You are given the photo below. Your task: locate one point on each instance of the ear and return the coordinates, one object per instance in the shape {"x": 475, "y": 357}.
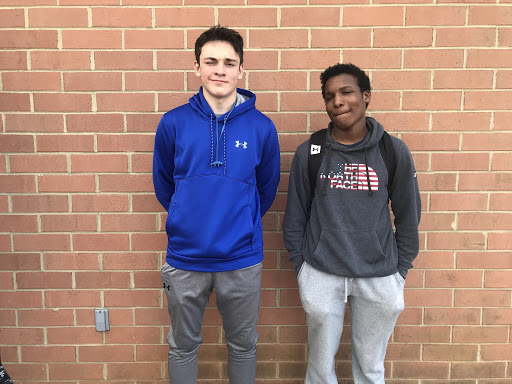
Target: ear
{"x": 367, "y": 96}
{"x": 197, "y": 69}
{"x": 240, "y": 72}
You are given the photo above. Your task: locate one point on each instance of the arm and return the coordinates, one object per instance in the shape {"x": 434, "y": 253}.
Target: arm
{"x": 406, "y": 206}
{"x": 268, "y": 171}
{"x": 297, "y": 210}
{"x": 163, "y": 164}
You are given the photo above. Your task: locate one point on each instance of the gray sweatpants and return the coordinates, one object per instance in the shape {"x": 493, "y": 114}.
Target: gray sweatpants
{"x": 238, "y": 296}
{"x": 375, "y": 304}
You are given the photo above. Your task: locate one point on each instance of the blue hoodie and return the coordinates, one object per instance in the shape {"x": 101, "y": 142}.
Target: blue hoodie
{"x": 216, "y": 177}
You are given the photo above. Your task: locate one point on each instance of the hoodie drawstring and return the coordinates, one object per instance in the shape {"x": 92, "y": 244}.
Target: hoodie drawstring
{"x": 217, "y": 162}
{"x": 346, "y": 290}
{"x": 370, "y": 192}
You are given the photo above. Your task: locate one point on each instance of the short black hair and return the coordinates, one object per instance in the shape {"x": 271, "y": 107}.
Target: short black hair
{"x": 218, "y": 33}
{"x": 363, "y": 81}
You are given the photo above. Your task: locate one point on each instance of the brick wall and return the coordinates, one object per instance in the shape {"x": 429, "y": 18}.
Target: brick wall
{"x": 83, "y": 85}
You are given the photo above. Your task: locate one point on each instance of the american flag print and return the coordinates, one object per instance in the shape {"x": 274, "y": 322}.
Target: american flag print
{"x": 353, "y": 177}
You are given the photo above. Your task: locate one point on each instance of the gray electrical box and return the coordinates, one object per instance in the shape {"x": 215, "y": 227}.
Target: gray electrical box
{"x": 101, "y": 320}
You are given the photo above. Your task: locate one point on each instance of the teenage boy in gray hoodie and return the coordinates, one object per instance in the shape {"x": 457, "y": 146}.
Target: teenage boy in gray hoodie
{"x": 340, "y": 237}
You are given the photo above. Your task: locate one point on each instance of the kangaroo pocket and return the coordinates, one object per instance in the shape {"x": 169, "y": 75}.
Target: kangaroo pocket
{"x": 210, "y": 217}
{"x": 358, "y": 253}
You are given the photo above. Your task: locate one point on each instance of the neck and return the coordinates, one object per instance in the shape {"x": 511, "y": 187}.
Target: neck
{"x": 220, "y": 106}
{"x": 350, "y": 136}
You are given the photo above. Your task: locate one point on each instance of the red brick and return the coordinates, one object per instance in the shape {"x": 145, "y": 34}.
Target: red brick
{"x": 18, "y": 336}
{"x": 16, "y": 183}
{"x": 283, "y": 80}
{"x": 488, "y": 58}
{"x": 489, "y": 14}
{"x": 462, "y": 79}
{"x": 17, "y": 143}
{"x": 130, "y": 261}
{"x": 5, "y": 243}
{"x": 498, "y": 279}
{"x": 149, "y": 241}
{"x": 153, "y": 39}
{"x": 403, "y": 37}
{"x": 282, "y": 316}
{"x": 178, "y": 59}
{"x": 40, "y": 280}
{"x": 116, "y": 317}
{"x": 433, "y": 58}
{"x": 428, "y": 297}
{"x": 6, "y": 281}
{"x": 145, "y": 203}
{"x": 261, "y": 59}
{"x": 71, "y": 299}
{"x": 484, "y": 334}
{"x": 324, "y": 38}
{"x": 21, "y": 300}
{"x": 152, "y": 316}
{"x": 100, "y": 203}
{"x": 33, "y": 81}
{"x": 12, "y": 18}
{"x": 99, "y": 163}
{"x": 126, "y": 183}
{"x": 436, "y": 15}
{"x": 95, "y": 81}
{"x": 489, "y": 221}
{"x": 34, "y": 123}
{"x": 103, "y": 353}
{"x": 128, "y": 223}
{"x": 392, "y": 80}
{"x": 66, "y": 183}
{"x": 482, "y": 298}
{"x": 478, "y": 370}
{"x": 142, "y": 162}
{"x": 496, "y": 352}
{"x": 460, "y": 162}
{"x": 439, "y": 352}
{"x": 434, "y": 260}
{"x": 475, "y": 100}
{"x": 310, "y": 16}
{"x": 432, "y": 141}
{"x": 154, "y": 352}
{"x": 499, "y": 241}
{"x": 500, "y": 201}
{"x": 471, "y": 121}
{"x": 121, "y": 17}
{"x": 168, "y": 101}
{"x": 138, "y": 370}
{"x": 452, "y": 316}
{"x": 95, "y": 39}
{"x": 424, "y": 100}
{"x": 28, "y": 372}
{"x": 423, "y": 370}
{"x": 14, "y": 102}
{"x": 459, "y": 241}
{"x": 40, "y": 203}
{"x": 61, "y": 60}
{"x": 437, "y": 221}
{"x": 41, "y": 242}
{"x": 496, "y": 141}
{"x": 374, "y": 58}
{"x": 95, "y": 123}
{"x": 484, "y": 260}
{"x": 62, "y": 102}
{"x": 467, "y": 37}
{"x": 57, "y": 17}
{"x": 134, "y": 335}
{"x": 278, "y": 38}
{"x": 497, "y": 316}
{"x": 68, "y": 223}
{"x": 45, "y": 317}
{"x": 125, "y": 102}
{"x": 142, "y": 81}
{"x": 48, "y": 354}
{"x": 301, "y": 101}
{"x": 123, "y": 60}
{"x": 484, "y": 181}
{"x": 126, "y": 142}
{"x": 453, "y": 279}
{"x": 187, "y": 17}
{"x": 269, "y": 2}
{"x": 76, "y": 371}
{"x": 38, "y": 163}
{"x": 90, "y": 2}
{"x": 13, "y": 60}
{"x": 102, "y": 280}
{"x": 453, "y": 202}
{"x": 424, "y": 334}
{"x": 32, "y": 39}
{"x": 101, "y": 242}
{"x": 372, "y": 16}
{"x": 71, "y": 261}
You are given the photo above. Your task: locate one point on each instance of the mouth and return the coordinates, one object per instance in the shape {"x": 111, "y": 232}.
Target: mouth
{"x": 218, "y": 81}
{"x": 341, "y": 113}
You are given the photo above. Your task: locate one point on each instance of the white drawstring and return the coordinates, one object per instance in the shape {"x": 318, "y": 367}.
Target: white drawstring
{"x": 346, "y": 290}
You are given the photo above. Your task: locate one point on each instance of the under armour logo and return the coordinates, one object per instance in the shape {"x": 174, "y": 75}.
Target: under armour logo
{"x": 315, "y": 149}
{"x": 238, "y": 144}
{"x": 168, "y": 287}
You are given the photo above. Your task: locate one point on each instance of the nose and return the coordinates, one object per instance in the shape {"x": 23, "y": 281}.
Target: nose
{"x": 220, "y": 69}
{"x": 338, "y": 100}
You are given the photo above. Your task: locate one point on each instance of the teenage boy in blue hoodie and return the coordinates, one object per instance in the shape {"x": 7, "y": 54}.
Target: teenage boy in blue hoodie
{"x": 340, "y": 237}
{"x": 215, "y": 171}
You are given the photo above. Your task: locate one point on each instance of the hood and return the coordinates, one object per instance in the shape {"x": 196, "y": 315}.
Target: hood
{"x": 201, "y": 107}
{"x": 375, "y": 131}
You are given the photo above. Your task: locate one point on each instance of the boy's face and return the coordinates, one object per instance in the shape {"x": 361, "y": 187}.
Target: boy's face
{"x": 219, "y": 68}
{"x": 344, "y": 102}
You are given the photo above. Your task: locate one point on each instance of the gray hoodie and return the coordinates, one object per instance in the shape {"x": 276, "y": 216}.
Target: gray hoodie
{"x": 346, "y": 230}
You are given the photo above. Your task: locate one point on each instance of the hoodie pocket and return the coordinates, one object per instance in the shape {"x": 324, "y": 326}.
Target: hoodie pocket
{"x": 356, "y": 251}
{"x": 210, "y": 218}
